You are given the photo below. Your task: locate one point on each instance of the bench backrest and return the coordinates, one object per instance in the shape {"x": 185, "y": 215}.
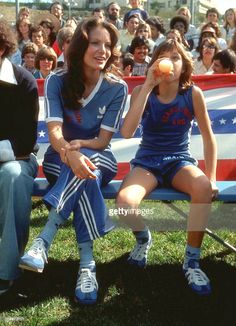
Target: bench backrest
{"x": 220, "y": 94}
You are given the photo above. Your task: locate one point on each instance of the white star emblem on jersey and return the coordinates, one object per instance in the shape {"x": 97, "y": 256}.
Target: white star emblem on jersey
{"x": 41, "y": 133}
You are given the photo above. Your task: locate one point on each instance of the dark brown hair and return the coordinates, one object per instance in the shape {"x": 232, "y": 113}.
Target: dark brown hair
{"x": 7, "y": 39}
{"x": 75, "y": 78}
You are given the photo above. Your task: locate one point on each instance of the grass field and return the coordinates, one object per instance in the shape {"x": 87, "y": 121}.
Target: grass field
{"x": 157, "y": 295}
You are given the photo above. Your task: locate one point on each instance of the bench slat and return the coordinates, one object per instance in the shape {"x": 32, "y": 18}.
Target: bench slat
{"x": 227, "y": 191}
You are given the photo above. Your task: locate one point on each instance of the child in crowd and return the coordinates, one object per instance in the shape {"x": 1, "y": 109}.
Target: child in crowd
{"x": 28, "y": 57}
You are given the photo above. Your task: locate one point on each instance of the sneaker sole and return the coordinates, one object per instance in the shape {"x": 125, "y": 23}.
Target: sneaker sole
{"x": 31, "y": 268}
{"x": 85, "y": 302}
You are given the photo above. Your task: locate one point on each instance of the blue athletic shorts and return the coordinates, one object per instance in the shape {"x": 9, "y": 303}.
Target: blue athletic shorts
{"x": 163, "y": 167}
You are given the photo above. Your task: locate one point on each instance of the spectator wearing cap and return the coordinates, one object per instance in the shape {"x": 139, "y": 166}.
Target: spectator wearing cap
{"x": 224, "y": 62}
{"x": 203, "y": 64}
{"x": 113, "y": 14}
{"x": 127, "y": 35}
{"x": 181, "y": 23}
{"x": 140, "y": 48}
{"x": 157, "y": 29}
{"x": 136, "y": 9}
{"x": 208, "y": 31}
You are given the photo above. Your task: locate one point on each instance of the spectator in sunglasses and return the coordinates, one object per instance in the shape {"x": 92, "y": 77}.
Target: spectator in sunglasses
{"x": 203, "y": 64}
{"x": 45, "y": 62}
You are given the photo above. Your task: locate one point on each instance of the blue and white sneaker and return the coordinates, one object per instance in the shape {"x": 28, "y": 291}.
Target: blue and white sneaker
{"x": 197, "y": 279}
{"x": 86, "y": 287}
{"x": 139, "y": 254}
{"x": 35, "y": 258}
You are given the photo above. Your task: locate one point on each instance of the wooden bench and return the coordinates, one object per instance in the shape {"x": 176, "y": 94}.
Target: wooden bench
{"x": 227, "y": 193}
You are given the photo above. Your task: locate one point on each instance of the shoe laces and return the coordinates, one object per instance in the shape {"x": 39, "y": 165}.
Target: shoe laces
{"x": 87, "y": 280}
{"x": 197, "y": 276}
{"x": 38, "y": 248}
{"x": 140, "y": 251}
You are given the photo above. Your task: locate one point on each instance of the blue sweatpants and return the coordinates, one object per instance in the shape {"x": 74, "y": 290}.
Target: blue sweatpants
{"x": 83, "y": 197}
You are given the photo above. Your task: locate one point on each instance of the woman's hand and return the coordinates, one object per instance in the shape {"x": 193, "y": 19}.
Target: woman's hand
{"x": 80, "y": 165}
{"x": 215, "y": 190}
{"x": 74, "y": 145}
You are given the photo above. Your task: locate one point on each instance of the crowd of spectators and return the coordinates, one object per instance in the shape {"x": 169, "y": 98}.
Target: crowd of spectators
{"x": 139, "y": 35}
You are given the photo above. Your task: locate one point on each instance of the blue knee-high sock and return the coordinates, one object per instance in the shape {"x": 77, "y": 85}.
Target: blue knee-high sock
{"x": 142, "y": 236}
{"x": 86, "y": 255}
{"x": 192, "y": 257}
{"x": 49, "y": 231}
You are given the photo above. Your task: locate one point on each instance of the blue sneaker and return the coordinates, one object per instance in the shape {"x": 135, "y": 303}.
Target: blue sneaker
{"x": 86, "y": 287}
{"x": 35, "y": 258}
{"x": 138, "y": 255}
{"x": 197, "y": 279}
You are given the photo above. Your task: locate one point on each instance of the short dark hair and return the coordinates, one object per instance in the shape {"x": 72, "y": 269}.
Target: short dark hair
{"x": 8, "y": 41}
{"x": 29, "y": 47}
{"x": 98, "y": 10}
{"x": 128, "y": 61}
{"x": 213, "y": 10}
{"x": 227, "y": 59}
{"x": 55, "y": 3}
{"x": 138, "y": 41}
{"x": 156, "y": 22}
{"x": 112, "y": 3}
{"x": 181, "y": 19}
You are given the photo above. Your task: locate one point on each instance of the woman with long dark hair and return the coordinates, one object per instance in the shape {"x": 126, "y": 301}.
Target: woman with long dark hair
{"x": 83, "y": 109}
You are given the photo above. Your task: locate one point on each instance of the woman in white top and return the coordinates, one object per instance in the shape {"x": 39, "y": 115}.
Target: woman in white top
{"x": 230, "y": 23}
{"x": 203, "y": 64}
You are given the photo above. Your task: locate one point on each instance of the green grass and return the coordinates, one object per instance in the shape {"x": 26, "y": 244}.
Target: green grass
{"x": 157, "y": 295}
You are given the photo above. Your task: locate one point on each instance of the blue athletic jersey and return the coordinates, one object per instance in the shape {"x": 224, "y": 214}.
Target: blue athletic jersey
{"x": 166, "y": 128}
{"x": 103, "y": 108}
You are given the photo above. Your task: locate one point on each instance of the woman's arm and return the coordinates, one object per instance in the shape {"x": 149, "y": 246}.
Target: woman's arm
{"x": 100, "y": 143}
{"x": 139, "y": 99}
{"x": 209, "y": 141}
{"x": 56, "y": 138}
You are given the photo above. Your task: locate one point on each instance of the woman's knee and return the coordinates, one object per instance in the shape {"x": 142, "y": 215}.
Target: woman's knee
{"x": 127, "y": 199}
{"x": 10, "y": 171}
{"x": 201, "y": 189}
